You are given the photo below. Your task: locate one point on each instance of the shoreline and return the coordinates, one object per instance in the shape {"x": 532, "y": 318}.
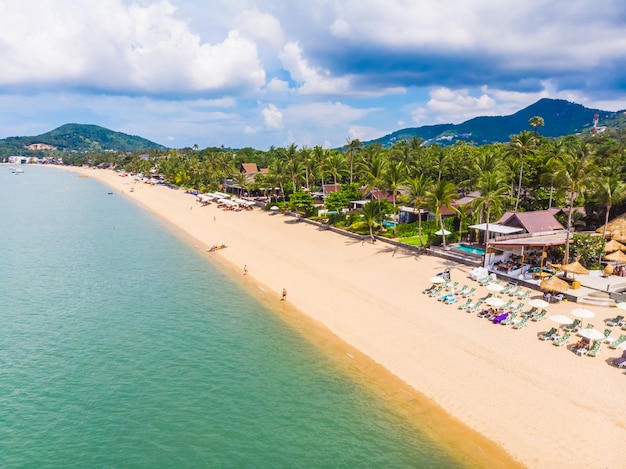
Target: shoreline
{"x": 542, "y": 405}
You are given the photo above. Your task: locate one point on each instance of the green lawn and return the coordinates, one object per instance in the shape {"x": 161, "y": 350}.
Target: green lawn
{"x": 415, "y": 240}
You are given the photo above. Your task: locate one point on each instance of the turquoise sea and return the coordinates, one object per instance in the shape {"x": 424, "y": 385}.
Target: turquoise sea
{"x": 121, "y": 346}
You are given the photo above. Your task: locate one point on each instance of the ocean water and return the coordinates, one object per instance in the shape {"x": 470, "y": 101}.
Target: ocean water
{"x": 121, "y": 346}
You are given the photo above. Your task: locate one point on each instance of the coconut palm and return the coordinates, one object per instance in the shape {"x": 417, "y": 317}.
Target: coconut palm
{"x": 416, "y": 188}
{"x": 441, "y": 194}
{"x": 521, "y": 146}
{"x": 352, "y": 151}
{"x": 371, "y": 215}
{"x": 337, "y": 165}
{"x": 394, "y": 177}
{"x": 536, "y": 121}
{"x": 612, "y": 191}
{"x": 493, "y": 196}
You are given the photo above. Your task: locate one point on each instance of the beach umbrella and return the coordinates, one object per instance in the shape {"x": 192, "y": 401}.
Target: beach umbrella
{"x": 617, "y": 256}
{"x": 561, "y": 319}
{"x": 575, "y": 268}
{"x": 495, "y": 287}
{"x": 613, "y": 246}
{"x": 616, "y": 228}
{"x": 273, "y": 208}
{"x": 554, "y": 284}
{"x": 445, "y": 233}
{"x": 437, "y": 280}
{"x": 538, "y": 303}
{"x": 591, "y": 334}
{"x": 494, "y": 301}
{"x": 583, "y": 313}
{"x": 621, "y": 306}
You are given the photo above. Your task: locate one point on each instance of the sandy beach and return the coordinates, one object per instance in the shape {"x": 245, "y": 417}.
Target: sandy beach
{"x": 544, "y": 406}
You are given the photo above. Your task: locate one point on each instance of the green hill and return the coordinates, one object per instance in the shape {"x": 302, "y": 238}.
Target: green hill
{"x": 560, "y": 118}
{"x": 80, "y": 138}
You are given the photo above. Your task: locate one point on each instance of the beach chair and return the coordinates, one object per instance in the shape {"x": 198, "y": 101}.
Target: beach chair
{"x": 515, "y": 291}
{"x": 452, "y": 287}
{"x": 517, "y": 308}
{"x": 523, "y": 296}
{"x": 499, "y": 318}
{"x": 573, "y": 327}
{"x": 469, "y": 293}
{"x": 561, "y": 341}
{"x": 549, "y": 335}
{"x": 607, "y": 336}
{"x": 451, "y": 299}
{"x": 530, "y": 312}
{"x": 444, "y": 296}
{"x": 507, "y": 305}
{"x": 509, "y": 319}
{"x": 466, "y": 304}
{"x": 621, "y": 361}
{"x": 616, "y": 321}
{"x": 539, "y": 316}
{"x": 435, "y": 292}
{"x": 521, "y": 324}
{"x": 588, "y": 326}
{"x": 485, "y": 298}
{"x": 474, "y": 307}
{"x": 617, "y": 342}
{"x": 463, "y": 289}
{"x": 595, "y": 348}
{"x": 485, "y": 281}
{"x": 508, "y": 288}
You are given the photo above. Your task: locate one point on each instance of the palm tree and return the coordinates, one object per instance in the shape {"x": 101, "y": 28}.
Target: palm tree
{"x": 353, "y": 149}
{"x": 371, "y": 214}
{"x": 493, "y": 195}
{"x": 536, "y": 121}
{"x": 394, "y": 177}
{"x": 373, "y": 172}
{"x": 441, "y": 194}
{"x": 553, "y": 161}
{"x": 521, "y": 146}
{"x": 577, "y": 172}
{"x": 337, "y": 165}
{"x": 416, "y": 188}
{"x": 612, "y": 191}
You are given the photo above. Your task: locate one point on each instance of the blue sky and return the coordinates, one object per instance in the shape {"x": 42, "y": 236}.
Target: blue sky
{"x": 259, "y": 73}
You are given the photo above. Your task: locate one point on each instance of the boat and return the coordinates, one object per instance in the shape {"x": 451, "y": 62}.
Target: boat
{"x": 17, "y": 171}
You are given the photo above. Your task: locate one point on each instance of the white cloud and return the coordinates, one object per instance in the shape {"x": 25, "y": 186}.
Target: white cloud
{"x": 278, "y": 86}
{"x": 260, "y": 26}
{"x": 340, "y": 28}
{"x": 312, "y": 80}
{"x": 272, "y": 117}
{"x": 454, "y": 106}
{"x": 109, "y": 45}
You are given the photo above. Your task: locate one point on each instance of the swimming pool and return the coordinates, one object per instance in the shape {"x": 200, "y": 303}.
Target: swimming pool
{"x": 469, "y": 249}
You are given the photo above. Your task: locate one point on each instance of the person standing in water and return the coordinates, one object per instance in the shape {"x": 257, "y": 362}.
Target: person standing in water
{"x": 284, "y": 297}
{"x": 245, "y": 270}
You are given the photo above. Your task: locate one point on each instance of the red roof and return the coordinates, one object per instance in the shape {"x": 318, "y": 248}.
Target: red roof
{"x": 540, "y": 221}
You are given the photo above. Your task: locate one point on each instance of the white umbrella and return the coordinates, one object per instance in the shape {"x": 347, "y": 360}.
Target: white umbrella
{"x": 561, "y": 319}
{"x": 621, "y": 305}
{"x": 583, "y": 313}
{"x": 436, "y": 280}
{"x": 538, "y": 303}
{"x": 273, "y": 208}
{"x": 445, "y": 232}
{"x": 495, "y": 287}
{"x": 494, "y": 301}
{"x": 591, "y": 334}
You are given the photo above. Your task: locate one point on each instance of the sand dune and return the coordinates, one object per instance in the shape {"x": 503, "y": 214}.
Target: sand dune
{"x": 544, "y": 405}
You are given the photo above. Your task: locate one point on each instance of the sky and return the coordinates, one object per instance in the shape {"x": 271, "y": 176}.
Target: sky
{"x": 261, "y": 73}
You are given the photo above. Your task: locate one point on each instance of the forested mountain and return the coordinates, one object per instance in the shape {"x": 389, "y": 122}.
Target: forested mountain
{"x": 77, "y": 137}
{"x": 560, "y": 118}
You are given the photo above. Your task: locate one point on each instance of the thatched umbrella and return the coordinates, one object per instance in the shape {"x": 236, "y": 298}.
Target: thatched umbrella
{"x": 615, "y": 229}
{"x": 575, "y": 268}
{"x": 613, "y": 246}
{"x": 617, "y": 256}
{"x": 554, "y": 284}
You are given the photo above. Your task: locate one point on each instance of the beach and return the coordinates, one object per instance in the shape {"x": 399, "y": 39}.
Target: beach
{"x": 543, "y": 406}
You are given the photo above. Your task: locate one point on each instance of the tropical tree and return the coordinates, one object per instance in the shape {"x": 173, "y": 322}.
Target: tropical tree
{"x": 416, "y": 188}
{"x": 352, "y": 151}
{"x": 394, "y": 177}
{"x": 441, "y": 194}
{"x": 536, "y": 121}
{"x": 493, "y": 196}
{"x": 612, "y": 191}
{"x": 521, "y": 146}
{"x": 337, "y": 166}
{"x": 370, "y": 214}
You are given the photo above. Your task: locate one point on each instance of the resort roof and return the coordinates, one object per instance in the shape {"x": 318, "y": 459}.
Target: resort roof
{"x": 540, "y": 221}
{"x": 249, "y": 168}
{"x": 554, "y": 239}
{"x": 495, "y": 228}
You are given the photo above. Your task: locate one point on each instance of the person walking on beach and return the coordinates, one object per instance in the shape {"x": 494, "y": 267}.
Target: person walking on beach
{"x": 245, "y": 270}
{"x": 284, "y": 297}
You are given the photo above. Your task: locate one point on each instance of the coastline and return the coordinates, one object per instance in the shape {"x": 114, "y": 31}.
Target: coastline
{"x": 544, "y": 406}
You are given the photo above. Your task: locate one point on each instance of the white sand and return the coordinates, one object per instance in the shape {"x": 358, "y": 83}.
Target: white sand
{"x": 544, "y": 405}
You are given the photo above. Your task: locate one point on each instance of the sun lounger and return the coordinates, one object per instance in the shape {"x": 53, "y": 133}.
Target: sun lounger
{"x": 530, "y": 312}
{"x": 485, "y": 281}
{"x": 473, "y": 308}
{"x": 595, "y": 348}
{"x": 508, "y": 288}
{"x": 517, "y": 308}
{"x": 509, "y": 319}
{"x": 524, "y": 295}
{"x": 451, "y": 299}
{"x": 508, "y": 305}
{"x": 485, "y": 298}
{"x": 539, "y": 316}
{"x": 562, "y": 340}
{"x": 588, "y": 326}
{"x": 515, "y": 291}
{"x": 616, "y": 321}
{"x": 452, "y": 287}
{"x": 617, "y": 342}
{"x": 607, "y": 336}
{"x": 549, "y": 335}
{"x": 469, "y": 293}
{"x": 573, "y": 327}
{"x": 435, "y": 292}
{"x": 521, "y": 324}
{"x": 463, "y": 289}
{"x": 499, "y": 318}
{"x": 444, "y": 296}
{"x": 466, "y": 304}
{"x": 621, "y": 361}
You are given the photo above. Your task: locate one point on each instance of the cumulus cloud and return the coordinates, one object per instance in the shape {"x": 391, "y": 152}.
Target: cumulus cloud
{"x": 260, "y": 26}
{"x": 272, "y": 117}
{"x": 109, "y": 45}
